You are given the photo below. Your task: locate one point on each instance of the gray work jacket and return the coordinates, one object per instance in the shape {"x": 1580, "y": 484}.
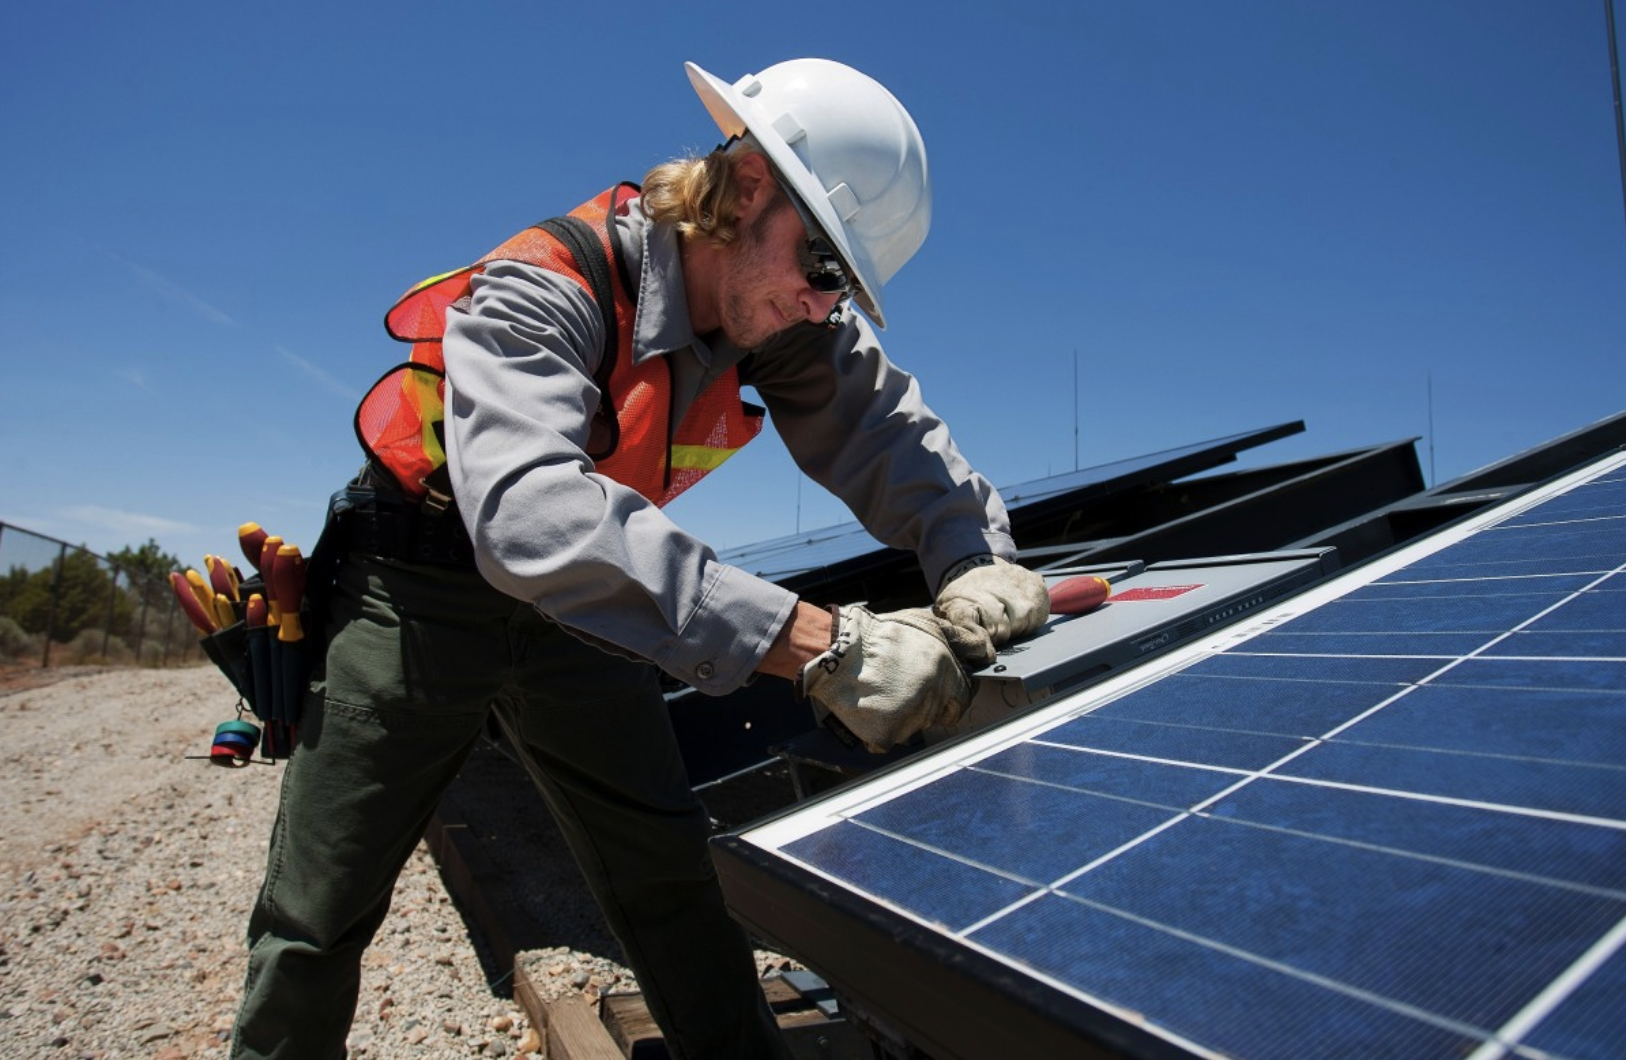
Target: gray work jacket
{"x": 593, "y": 554}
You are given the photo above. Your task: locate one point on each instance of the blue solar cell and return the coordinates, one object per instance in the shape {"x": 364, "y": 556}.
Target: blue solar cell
{"x": 1535, "y": 566}
{"x": 1602, "y": 675}
{"x": 1596, "y": 499}
{"x": 1396, "y": 589}
{"x": 1556, "y": 850}
{"x": 1603, "y": 643}
{"x": 1469, "y": 945}
{"x": 1587, "y": 1024}
{"x": 1436, "y": 645}
{"x": 1383, "y": 671}
{"x": 1207, "y": 747}
{"x": 1552, "y": 787}
{"x": 987, "y": 819}
{"x": 932, "y": 886}
{"x": 1172, "y": 787}
{"x": 1465, "y": 612}
{"x": 1561, "y": 726}
{"x": 1235, "y": 1006}
{"x": 1600, "y": 608}
{"x": 1535, "y": 550}
{"x": 1293, "y": 708}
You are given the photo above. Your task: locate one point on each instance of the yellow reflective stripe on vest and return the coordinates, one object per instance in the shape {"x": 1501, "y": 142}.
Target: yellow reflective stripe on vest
{"x": 422, "y": 391}
{"x": 699, "y": 457}
{"x": 432, "y": 281}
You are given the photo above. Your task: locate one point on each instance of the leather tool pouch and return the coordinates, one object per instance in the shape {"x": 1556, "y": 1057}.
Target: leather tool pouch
{"x": 269, "y": 674}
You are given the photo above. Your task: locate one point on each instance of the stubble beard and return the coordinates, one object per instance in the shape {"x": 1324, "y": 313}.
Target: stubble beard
{"x": 738, "y": 306}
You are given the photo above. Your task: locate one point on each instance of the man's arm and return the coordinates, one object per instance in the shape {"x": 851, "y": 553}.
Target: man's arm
{"x": 858, "y": 426}
{"x": 586, "y": 551}
{"x": 801, "y": 640}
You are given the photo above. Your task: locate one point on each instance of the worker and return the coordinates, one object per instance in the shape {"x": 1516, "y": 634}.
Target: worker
{"x": 504, "y": 555}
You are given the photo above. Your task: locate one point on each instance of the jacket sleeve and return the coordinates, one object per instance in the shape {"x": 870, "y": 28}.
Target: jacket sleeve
{"x": 589, "y": 553}
{"x": 857, "y": 425}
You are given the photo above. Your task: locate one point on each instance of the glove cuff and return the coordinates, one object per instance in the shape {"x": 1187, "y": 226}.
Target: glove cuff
{"x": 800, "y": 688}
{"x": 981, "y": 559}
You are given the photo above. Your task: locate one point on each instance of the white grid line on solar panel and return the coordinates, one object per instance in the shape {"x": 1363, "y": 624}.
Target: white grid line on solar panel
{"x": 1142, "y": 1019}
{"x": 1249, "y": 775}
{"x": 1196, "y": 654}
{"x": 1487, "y": 1035}
{"x": 1559, "y": 991}
{"x": 1500, "y": 1040}
{"x": 1198, "y": 811}
{"x": 1547, "y": 1001}
{"x": 965, "y": 936}
{"x": 774, "y": 834}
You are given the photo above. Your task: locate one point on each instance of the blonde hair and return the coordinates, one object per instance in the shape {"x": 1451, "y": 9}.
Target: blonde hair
{"x": 697, "y": 194}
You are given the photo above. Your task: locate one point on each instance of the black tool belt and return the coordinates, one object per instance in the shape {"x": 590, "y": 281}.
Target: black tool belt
{"x": 374, "y": 518}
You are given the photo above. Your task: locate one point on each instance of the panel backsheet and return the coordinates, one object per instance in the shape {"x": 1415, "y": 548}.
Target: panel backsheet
{"x": 1387, "y": 818}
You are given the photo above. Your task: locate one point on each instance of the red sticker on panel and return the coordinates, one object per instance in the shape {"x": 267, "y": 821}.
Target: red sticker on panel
{"x": 1153, "y": 592}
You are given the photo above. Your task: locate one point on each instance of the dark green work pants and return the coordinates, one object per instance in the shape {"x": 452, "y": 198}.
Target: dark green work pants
{"x": 417, "y": 657}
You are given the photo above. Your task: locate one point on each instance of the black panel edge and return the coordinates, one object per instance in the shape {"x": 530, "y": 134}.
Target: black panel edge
{"x": 1545, "y": 461}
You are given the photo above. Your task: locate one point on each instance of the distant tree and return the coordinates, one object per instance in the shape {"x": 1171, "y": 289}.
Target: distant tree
{"x": 83, "y": 592}
{"x": 149, "y": 561}
{"x": 144, "y": 578}
{"x": 10, "y": 584}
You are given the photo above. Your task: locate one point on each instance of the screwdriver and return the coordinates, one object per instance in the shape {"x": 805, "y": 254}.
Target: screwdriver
{"x": 288, "y": 586}
{"x": 190, "y": 604}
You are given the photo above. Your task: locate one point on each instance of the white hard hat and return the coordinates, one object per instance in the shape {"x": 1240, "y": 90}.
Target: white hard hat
{"x": 849, "y": 151}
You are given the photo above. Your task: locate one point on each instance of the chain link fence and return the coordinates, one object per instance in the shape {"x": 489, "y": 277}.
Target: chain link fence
{"x": 62, "y": 605}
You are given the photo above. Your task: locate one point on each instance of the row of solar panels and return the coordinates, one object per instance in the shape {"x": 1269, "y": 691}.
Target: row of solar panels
{"x": 1378, "y": 812}
{"x": 1158, "y": 508}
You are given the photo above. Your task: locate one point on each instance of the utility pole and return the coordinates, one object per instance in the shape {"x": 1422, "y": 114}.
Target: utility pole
{"x": 1614, "y": 83}
{"x": 1432, "y": 478}
{"x": 1075, "y": 408}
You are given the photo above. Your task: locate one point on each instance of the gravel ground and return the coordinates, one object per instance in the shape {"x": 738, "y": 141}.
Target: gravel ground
{"x": 127, "y": 871}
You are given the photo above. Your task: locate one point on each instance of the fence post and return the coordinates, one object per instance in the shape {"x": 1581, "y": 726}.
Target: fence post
{"x": 112, "y": 610}
{"x": 169, "y": 622}
{"x": 141, "y": 626}
{"x": 50, "y": 611}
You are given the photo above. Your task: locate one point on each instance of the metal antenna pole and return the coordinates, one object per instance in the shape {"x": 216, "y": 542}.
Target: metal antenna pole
{"x": 1614, "y": 81}
{"x": 1075, "y": 408}
{"x": 1432, "y": 478}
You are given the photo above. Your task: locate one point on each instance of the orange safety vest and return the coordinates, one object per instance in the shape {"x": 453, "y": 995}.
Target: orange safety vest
{"x": 401, "y": 420}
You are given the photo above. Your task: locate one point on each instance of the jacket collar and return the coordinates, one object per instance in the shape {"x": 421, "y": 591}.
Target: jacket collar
{"x": 661, "y": 325}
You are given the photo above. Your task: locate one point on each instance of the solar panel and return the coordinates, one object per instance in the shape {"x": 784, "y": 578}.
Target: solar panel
{"x": 783, "y": 558}
{"x": 1383, "y": 818}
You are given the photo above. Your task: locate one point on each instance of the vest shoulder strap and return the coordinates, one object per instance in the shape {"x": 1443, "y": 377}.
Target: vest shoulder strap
{"x": 583, "y": 243}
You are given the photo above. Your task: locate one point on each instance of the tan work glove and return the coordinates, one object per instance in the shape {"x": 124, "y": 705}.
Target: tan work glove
{"x": 886, "y": 677}
{"x": 989, "y": 601}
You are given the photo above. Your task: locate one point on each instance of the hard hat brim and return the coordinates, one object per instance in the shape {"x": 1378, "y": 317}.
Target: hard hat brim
{"x": 737, "y": 115}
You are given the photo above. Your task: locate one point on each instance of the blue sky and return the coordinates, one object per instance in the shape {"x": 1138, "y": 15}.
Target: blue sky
{"x": 1232, "y": 214}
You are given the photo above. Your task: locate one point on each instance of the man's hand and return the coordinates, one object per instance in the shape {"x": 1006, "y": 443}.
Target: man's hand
{"x": 887, "y": 677}
{"x": 989, "y": 601}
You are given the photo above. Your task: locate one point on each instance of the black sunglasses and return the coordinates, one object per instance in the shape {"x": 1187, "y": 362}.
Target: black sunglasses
{"x": 825, "y": 272}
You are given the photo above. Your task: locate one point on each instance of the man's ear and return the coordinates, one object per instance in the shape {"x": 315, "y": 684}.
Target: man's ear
{"x": 754, "y": 180}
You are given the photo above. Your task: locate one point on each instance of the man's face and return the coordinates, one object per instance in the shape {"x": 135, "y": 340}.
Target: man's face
{"x": 763, "y": 287}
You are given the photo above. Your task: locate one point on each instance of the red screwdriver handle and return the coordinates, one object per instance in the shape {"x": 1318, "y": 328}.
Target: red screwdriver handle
{"x": 288, "y": 585}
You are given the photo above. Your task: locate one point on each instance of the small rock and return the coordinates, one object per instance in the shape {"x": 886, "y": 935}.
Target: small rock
{"x": 157, "y": 1032}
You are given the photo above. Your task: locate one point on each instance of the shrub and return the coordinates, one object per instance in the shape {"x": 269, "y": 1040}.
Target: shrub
{"x": 17, "y": 644}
